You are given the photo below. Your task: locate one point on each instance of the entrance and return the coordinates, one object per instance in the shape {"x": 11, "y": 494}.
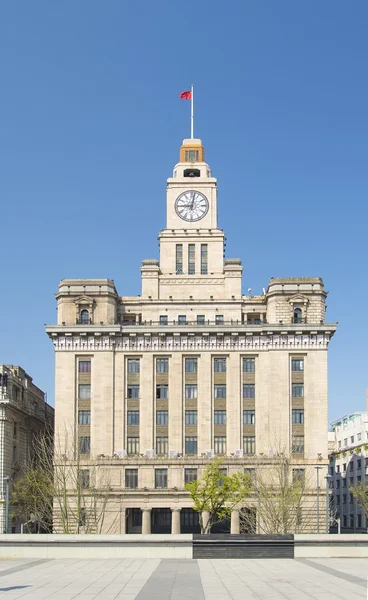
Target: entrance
{"x": 161, "y": 520}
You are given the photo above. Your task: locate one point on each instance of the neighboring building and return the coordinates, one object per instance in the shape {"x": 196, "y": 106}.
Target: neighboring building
{"x": 23, "y": 412}
{"x": 348, "y": 466}
{"x": 156, "y": 385}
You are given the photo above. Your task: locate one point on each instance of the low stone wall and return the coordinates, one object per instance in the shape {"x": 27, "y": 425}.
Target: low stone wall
{"x": 345, "y": 545}
{"x": 225, "y": 545}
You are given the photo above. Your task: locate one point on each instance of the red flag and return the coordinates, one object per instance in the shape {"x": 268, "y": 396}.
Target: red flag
{"x": 186, "y": 95}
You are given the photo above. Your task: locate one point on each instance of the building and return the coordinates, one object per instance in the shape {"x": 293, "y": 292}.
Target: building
{"x": 156, "y": 385}
{"x": 348, "y": 466}
{"x": 23, "y": 412}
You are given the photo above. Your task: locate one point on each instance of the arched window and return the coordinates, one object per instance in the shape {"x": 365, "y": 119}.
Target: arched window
{"x": 297, "y": 315}
{"x": 84, "y": 317}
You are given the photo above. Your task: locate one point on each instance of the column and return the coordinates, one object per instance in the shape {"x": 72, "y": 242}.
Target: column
{"x": 146, "y": 520}
{"x": 205, "y": 518}
{"x": 235, "y": 524}
{"x": 175, "y": 520}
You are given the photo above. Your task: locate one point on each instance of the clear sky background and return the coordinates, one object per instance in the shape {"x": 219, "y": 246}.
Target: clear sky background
{"x": 90, "y": 128}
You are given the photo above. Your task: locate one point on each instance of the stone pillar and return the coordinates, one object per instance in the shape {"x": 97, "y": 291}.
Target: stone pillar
{"x": 146, "y": 520}
{"x": 205, "y": 518}
{"x": 175, "y": 520}
{"x": 235, "y": 523}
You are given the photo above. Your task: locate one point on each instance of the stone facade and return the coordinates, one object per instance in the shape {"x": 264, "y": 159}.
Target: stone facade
{"x": 23, "y": 413}
{"x": 192, "y": 368}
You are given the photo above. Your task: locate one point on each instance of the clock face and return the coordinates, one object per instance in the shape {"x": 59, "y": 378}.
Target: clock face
{"x": 191, "y": 206}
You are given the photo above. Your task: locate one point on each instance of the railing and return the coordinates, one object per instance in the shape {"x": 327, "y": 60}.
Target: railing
{"x": 205, "y": 323}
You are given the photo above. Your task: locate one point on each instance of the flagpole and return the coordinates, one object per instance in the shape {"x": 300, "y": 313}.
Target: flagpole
{"x": 192, "y": 113}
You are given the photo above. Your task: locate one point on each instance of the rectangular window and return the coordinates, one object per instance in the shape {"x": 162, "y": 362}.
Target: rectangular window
{"x": 298, "y": 475}
{"x": 337, "y": 483}
{"x": 133, "y": 391}
{"x": 84, "y": 417}
{"x": 351, "y": 499}
{"x": 162, "y": 365}
{"x": 191, "y": 391}
{"x": 84, "y": 479}
{"x": 191, "y": 417}
{"x": 344, "y": 483}
{"x": 84, "y": 391}
{"x": 352, "y": 439}
{"x": 344, "y": 521}
{"x": 338, "y": 469}
{"x": 84, "y": 366}
{"x": 249, "y": 390}
{"x": 133, "y": 365}
{"x": 190, "y": 475}
{"x": 179, "y": 259}
{"x": 219, "y": 365}
{"x": 182, "y": 320}
{"x": 297, "y": 390}
{"x": 223, "y": 474}
{"x": 359, "y": 478}
{"x": 191, "y": 259}
{"x": 220, "y": 445}
{"x": 161, "y": 479}
{"x": 345, "y": 441}
{"x": 191, "y": 365}
{"x": 131, "y": 479}
{"x": 298, "y": 416}
{"x": 15, "y": 429}
{"x": 164, "y": 319}
{"x": 219, "y": 319}
{"x": 220, "y": 391}
{"x": 220, "y": 417}
{"x": 162, "y": 445}
{"x": 351, "y": 481}
{"x": 133, "y": 417}
{"x": 344, "y": 468}
{"x": 344, "y": 498}
{"x": 359, "y": 463}
{"x": 297, "y": 364}
{"x": 337, "y": 499}
{"x": 359, "y": 437}
{"x": 133, "y": 445}
{"x": 84, "y": 444}
{"x": 249, "y": 417}
{"x": 191, "y": 155}
{"x": 359, "y": 520}
{"x": 351, "y": 466}
{"x": 339, "y": 444}
{"x": 204, "y": 259}
{"x": 251, "y": 472}
{"x": 249, "y": 442}
{"x": 249, "y": 365}
{"x": 191, "y": 445}
{"x": 162, "y": 417}
{"x": 297, "y": 444}
{"x": 162, "y": 391}
{"x": 200, "y": 320}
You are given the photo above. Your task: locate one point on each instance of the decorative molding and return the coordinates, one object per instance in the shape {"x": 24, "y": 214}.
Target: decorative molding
{"x": 189, "y": 280}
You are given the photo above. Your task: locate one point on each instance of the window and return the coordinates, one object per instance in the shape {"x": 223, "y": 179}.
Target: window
{"x": 351, "y": 499}
{"x": 164, "y": 320}
{"x": 251, "y": 472}
{"x": 133, "y": 445}
{"x": 337, "y": 499}
{"x": 136, "y": 517}
{"x": 82, "y": 520}
{"x": 133, "y": 365}
{"x": 351, "y": 481}
{"x": 220, "y": 391}
{"x": 359, "y": 463}
{"x": 182, "y": 319}
{"x": 162, "y": 391}
{"x": 160, "y": 479}
{"x": 331, "y": 470}
{"x": 190, "y": 475}
{"x": 344, "y": 498}
{"x": 200, "y": 320}
{"x": 249, "y": 442}
{"x": 359, "y": 520}
{"x": 359, "y": 437}
{"x": 191, "y": 155}
{"x": 133, "y": 391}
{"x": 345, "y": 441}
{"x": 351, "y": 466}
{"x": 191, "y": 365}
{"x": 359, "y": 478}
{"x": 297, "y": 444}
{"x": 249, "y": 417}
{"x": 351, "y": 521}
{"x": 191, "y": 391}
{"x": 297, "y": 390}
{"x": 15, "y": 429}
{"x": 133, "y": 417}
{"x": 298, "y": 416}
{"x": 84, "y": 444}
{"x": 220, "y": 417}
{"x": 191, "y": 445}
{"x": 352, "y": 439}
{"x": 249, "y": 390}
{"x": 162, "y": 365}
{"x": 219, "y": 319}
{"x": 204, "y": 259}
{"x": 84, "y": 317}
{"x": 223, "y": 474}
{"x": 338, "y": 469}
{"x": 298, "y": 475}
{"x": 84, "y": 390}
{"x": 344, "y": 521}
{"x": 84, "y": 479}
{"x": 298, "y": 315}
{"x": 339, "y": 444}
{"x": 162, "y": 417}
{"x": 344, "y": 483}
{"x": 344, "y": 468}
{"x": 84, "y": 417}
{"x": 179, "y": 259}
{"x": 84, "y": 366}
{"x": 220, "y": 445}
{"x": 219, "y": 365}
{"x": 337, "y": 484}
{"x": 191, "y": 417}
{"x": 131, "y": 479}
{"x": 249, "y": 365}
{"x": 191, "y": 259}
{"x": 162, "y": 445}
{"x": 297, "y": 364}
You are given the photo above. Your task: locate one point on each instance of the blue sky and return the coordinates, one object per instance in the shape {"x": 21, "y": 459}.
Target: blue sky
{"x": 90, "y": 128}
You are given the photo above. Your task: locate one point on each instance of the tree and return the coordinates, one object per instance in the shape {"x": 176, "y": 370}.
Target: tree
{"x": 360, "y": 493}
{"x": 217, "y": 494}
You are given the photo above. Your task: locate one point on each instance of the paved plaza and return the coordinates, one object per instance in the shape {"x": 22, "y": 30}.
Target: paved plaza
{"x": 302, "y": 579}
